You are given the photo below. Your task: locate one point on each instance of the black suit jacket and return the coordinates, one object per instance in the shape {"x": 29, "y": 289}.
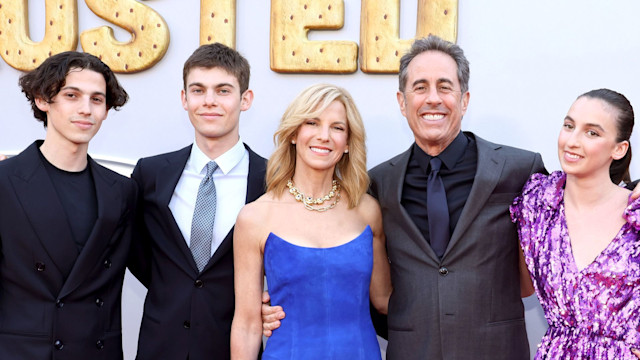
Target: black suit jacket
{"x": 54, "y": 302}
{"x": 186, "y": 314}
{"x": 467, "y": 305}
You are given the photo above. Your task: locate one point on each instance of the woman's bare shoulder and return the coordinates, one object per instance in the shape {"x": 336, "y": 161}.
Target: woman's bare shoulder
{"x": 368, "y": 206}
{"x": 257, "y": 212}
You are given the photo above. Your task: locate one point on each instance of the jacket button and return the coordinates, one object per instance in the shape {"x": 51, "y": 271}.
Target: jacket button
{"x": 99, "y": 302}
{"x": 59, "y": 303}
{"x": 199, "y": 284}
{"x": 58, "y": 344}
{"x": 40, "y": 266}
{"x": 443, "y": 271}
{"x": 186, "y": 324}
{"x": 107, "y": 264}
{"x": 99, "y": 345}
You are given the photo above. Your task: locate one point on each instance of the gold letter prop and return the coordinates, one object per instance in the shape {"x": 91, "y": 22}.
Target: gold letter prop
{"x": 218, "y": 22}
{"x": 380, "y": 40}
{"x": 149, "y": 40}
{"x": 291, "y": 50}
{"x": 61, "y": 32}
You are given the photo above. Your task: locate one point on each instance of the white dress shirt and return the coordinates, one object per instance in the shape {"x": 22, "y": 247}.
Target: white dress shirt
{"x": 230, "y": 179}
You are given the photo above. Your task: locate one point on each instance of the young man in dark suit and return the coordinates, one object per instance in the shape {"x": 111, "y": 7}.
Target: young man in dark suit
{"x": 65, "y": 221}
{"x": 188, "y": 203}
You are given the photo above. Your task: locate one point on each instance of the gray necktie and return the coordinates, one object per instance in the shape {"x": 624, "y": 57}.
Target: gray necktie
{"x": 204, "y": 214}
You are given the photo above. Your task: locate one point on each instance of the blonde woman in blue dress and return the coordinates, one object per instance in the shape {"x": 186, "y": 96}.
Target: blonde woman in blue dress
{"x": 317, "y": 235}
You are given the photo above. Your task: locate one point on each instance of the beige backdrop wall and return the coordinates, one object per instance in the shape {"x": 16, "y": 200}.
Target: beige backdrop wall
{"x": 529, "y": 60}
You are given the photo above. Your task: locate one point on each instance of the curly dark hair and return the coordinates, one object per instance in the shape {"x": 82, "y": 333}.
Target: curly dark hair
{"x": 46, "y": 80}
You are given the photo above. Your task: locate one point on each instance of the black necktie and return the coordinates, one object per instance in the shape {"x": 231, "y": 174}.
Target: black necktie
{"x": 437, "y": 209}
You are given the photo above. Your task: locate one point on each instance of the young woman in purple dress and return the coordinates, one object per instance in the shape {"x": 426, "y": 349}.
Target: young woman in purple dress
{"x": 579, "y": 232}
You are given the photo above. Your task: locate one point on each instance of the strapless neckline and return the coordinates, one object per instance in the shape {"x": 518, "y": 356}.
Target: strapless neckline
{"x": 364, "y": 232}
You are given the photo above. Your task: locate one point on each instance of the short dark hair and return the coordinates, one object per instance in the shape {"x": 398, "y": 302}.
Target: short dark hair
{"x": 46, "y": 80}
{"x": 210, "y": 56}
{"x": 434, "y": 43}
{"x": 619, "y": 169}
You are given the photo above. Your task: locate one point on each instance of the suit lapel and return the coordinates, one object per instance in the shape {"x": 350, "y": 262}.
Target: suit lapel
{"x": 255, "y": 180}
{"x": 109, "y": 201}
{"x": 489, "y": 168}
{"x": 43, "y": 208}
{"x": 255, "y": 188}
{"x": 393, "y": 204}
{"x": 166, "y": 182}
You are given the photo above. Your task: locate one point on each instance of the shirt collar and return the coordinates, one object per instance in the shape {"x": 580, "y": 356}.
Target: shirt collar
{"x": 226, "y": 162}
{"x": 449, "y": 156}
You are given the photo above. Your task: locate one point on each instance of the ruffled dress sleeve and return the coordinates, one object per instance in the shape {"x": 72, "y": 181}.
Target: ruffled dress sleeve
{"x": 632, "y": 214}
{"x": 532, "y": 209}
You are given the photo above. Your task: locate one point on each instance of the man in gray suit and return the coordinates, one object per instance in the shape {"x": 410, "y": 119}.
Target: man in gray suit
{"x": 456, "y": 286}
{"x": 459, "y": 299}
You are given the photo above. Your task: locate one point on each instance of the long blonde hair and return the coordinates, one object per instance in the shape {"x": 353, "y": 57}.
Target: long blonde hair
{"x": 351, "y": 169}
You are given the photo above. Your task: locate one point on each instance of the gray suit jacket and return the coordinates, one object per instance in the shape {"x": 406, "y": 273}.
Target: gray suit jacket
{"x": 467, "y": 305}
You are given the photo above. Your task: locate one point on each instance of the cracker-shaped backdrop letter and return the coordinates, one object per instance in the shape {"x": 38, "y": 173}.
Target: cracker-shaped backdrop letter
{"x": 61, "y": 32}
{"x": 149, "y": 39}
{"x": 291, "y": 49}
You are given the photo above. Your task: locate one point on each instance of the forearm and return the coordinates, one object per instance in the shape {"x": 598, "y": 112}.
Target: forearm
{"x": 380, "y": 288}
{"x": 381, "y": 302}
{"x": 246, "y": 328}
{"x": 245, "y": 339}
{"x": 526, "y": 285}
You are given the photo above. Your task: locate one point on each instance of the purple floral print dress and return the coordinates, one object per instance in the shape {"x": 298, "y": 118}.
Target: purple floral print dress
{"x": 593, "y": 313}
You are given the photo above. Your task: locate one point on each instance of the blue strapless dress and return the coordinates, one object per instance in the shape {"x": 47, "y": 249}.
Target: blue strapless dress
{"x": 325, "y": 294}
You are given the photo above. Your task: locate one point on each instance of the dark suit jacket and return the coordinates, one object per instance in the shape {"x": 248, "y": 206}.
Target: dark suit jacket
{"x": 467, "y": 305}
{"x": 186, "y": 314}
{"x": 54, "y": 303}
{"x": 632, "y": 185}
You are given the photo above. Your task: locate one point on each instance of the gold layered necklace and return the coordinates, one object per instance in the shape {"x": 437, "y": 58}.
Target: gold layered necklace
{"x": 313, "y": 204}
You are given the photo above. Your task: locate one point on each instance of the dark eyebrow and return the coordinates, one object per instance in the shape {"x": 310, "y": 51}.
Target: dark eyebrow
{"x": 596, "y": 126}
{"x": 199, "y": 84}
{"x": 419, "y": 81}
{"x": 588, "y": 124}
{"x": 440, "y": 80}
{"x": 195, "y": 84}
{"x": 73, "y": 88}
